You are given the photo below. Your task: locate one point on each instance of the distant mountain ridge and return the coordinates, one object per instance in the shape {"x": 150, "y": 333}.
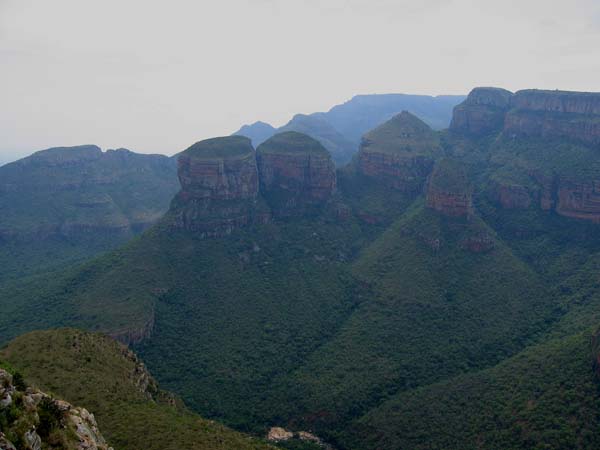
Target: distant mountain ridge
{"x": 341, "y": 128}
{"x": 63, "y": 203}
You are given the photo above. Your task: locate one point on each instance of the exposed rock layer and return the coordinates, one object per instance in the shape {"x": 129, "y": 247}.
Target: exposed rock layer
{"x": 448, "y": 190}
{"x": 45, "y": 421}
{"x": 219, "y": 187}
{"x": 399, "y": 153}
{"x": 296, "y": 173}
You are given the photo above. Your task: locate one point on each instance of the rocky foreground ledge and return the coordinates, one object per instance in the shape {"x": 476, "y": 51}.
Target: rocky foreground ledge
{"x": 34, "y": 420}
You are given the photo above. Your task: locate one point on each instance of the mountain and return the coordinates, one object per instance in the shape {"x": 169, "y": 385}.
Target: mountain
{"x": 258, "y": 132}
{"x": 365, "y": 112}
{"x": 65, "y": 204}
{"x": 440, "y": 291}
{"x": 341, "y": 128}
{"x": 110, "y": 381}
{"x": 319, "y": 128}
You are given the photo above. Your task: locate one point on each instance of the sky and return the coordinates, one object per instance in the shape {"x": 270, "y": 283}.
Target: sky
{"x": 157, "y": 76}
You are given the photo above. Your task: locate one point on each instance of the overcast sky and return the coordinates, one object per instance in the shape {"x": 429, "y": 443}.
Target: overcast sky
{"x": 156, "y": 76}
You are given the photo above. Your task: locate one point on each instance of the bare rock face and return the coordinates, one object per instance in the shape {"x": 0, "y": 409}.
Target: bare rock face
{"x": 580, "y": 200}
{"x": 448, "y": 190}
{"x": 219, "y": 187}
{"x": 65, "y": 425}
{"x": 512, "y": 196}
{"x": 296, "y": 173}
{"x": 399, "y": 153}
{"x": 555, "y": 114}
{"x": 482, "y": 112}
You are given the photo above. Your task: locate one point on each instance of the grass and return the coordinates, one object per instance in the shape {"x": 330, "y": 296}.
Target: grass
{"x": 95, "y": 372}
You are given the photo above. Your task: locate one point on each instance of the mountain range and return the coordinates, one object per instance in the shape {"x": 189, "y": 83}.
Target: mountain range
{"x": 341, "y": 128}
{"x": 439, "y": 291}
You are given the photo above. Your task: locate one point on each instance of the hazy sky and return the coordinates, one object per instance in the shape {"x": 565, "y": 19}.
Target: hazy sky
{"x": 156, "y": 76}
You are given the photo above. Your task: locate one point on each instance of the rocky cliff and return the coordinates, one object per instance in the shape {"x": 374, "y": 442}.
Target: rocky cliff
{"x": 448, "y": 189}
{"x": 296, "y": 173}
{"x": 35, "y": 420}
{"x": 482, "y": 112}
{"x": 555, "y": 114}
{"x": 219, "y": 187}
{"x": 399, "y": 153}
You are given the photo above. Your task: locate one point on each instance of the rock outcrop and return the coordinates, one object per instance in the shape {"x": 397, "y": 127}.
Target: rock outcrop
{"x": 296, "y": 173}
{"x": 448, "y": 190}
{"x": 219, "y": 187}
{"x": 482, "y": 112}
{"x": 39, "y": 421}
{"x": 580, "y": 200}
{"x": 399, "y": 153}
{"x": 512, "y": 196}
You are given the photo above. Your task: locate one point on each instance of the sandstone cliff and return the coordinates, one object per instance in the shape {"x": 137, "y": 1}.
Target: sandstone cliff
{"x": 448, "y": 190}
{"x": 399, "y": 153}
{"x": 219, "y": 187}
{"x": 482, "y": 112}
{"x": 296, "y": 173}
{"x": 35, "y": 420}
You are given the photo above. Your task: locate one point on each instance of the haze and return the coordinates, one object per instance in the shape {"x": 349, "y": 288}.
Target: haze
{"x": 156, "y": 76}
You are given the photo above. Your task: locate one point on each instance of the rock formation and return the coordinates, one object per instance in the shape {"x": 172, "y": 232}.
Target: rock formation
{"x": 482, "y": 112}
{"x": 512, "y": 196}
{"x": 399, "y": 153}
{"x": 219, "y": 187}
{"x": 448, "y": 190}
{"x": 580, "y": 200}
{"x": 296, "y": 173}
{"x": 44, "y": 421}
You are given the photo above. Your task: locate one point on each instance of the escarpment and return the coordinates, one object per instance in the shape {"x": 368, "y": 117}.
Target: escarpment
{"x": 400, "y": 153}
{"x": 219, "y": 187}
{"x": 83, "y": 191}
{"x": 555, "y": 114}
{"x": 548, "y": 140}
{"x": 296, "y": 173}
{"x": 482, "y": 112}
{"x": 448, "y": 190}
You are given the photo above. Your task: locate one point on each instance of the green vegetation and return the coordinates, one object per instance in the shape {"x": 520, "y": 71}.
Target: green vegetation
{"x": 95, "y": 372}
{"x": 545, "y": 397}
{"x": 221, "y": 147}
{"x": 374, "y": 322}
{"x": 292, "y": 142}
{"x": 404, "y": 134}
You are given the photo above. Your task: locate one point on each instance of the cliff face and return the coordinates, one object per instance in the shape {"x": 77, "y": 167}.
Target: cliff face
{"x": 555, "y": 114}
{"x": 44, "y": 422}
{"x": 399, "y": 153}
{"x": 448, "y": 190}
{"x": 482, "y": 112}
{"x": 219, "y": 187}
{"x": 296, "y": 173}
{"x": 531, "y": 123}
{"x": 580, "y": 200}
